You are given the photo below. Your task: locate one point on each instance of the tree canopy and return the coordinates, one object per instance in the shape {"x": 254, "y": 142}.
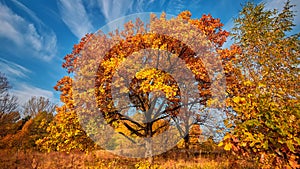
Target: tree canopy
{"x": 146, "y": 81}
{"x": 266, "y": 105}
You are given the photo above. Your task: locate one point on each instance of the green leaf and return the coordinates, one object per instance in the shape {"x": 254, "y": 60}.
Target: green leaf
{"x": 266, "y": 145}
{"x": 297, "y": 139}
{"x": 290, "y": 145}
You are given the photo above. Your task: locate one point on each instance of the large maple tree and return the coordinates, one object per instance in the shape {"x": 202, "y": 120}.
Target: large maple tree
{"x": 144, "y": 81}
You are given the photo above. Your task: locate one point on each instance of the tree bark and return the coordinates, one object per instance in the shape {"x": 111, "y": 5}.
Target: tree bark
{"x": 149, "y": 146}
{"x": 149, "y": 151}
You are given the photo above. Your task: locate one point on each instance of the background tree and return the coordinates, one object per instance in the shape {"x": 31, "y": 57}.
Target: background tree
{"x": 22, "y": 134}
{"x": 36, "y": 105}
{"x": 64, "y": 133}
{"x": 8, "y": 106}
{"x": 266, "y": 105}
{"x": 28, "y": 133}
{"x": 8, "y": 103}
{"x": 8, "y": 123}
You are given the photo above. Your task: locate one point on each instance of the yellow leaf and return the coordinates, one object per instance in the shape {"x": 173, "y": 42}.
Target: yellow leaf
{"x": 236, "y": 99}
{"x": 261, "y": 85}
{"x": 243, "y": 144}
{"x": 220, "y": 144}
{"x": 243, "y": 99}
{"x": 227, "y": 146}
{"x": 226, "y": 137}
{"x": 247, "y": 83}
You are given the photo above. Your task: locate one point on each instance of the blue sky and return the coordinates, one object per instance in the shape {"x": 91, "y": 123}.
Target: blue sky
{"x": 35, "y": 35}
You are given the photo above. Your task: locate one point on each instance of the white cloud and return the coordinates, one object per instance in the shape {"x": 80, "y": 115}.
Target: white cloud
{"x": 176, "y": 6}
{"x": 74, "y": 15}
{"x": 7, "y": 29}
{"x": 24, "y": 37}
{"x": 113, "y": 9}
{"x": 13, "y": 70}
{"x": 28, "y": 11}
{"x": 16, "y": 75}
{"x": 86, "y": 12}
{"x": 24, "y": 92}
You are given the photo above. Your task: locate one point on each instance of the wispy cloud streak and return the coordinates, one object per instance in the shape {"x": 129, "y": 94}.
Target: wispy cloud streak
{"x": 25, "y": 36}
{"x": 25, "y": 91}
{"x": 28, "y": 11}
{"x": 75, "y": 16}
{"x": 13, "y": 70}
{"x": 176, "y": 6}
{"x": 114, "y": 9}
{"x": 16, "y": 75}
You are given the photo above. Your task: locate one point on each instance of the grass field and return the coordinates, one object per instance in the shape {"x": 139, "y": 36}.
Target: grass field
{"x": 102, "y": 159}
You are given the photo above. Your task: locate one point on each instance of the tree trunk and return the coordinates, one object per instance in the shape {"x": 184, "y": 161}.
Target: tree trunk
{"x": 149, "y": 146}
{"x": 186, "y": 141}
{"x": 186, "y": 145}
{"x": 149, "y": 151}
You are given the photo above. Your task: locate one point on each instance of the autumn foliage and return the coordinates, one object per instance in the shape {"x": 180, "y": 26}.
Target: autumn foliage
{"x": 196, "y": 42}
{"x": 266, "y": 104}
{"x": 149, "y": 88}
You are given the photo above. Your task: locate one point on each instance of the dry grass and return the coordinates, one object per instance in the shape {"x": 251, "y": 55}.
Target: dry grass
{"x": 102, "y": 159}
